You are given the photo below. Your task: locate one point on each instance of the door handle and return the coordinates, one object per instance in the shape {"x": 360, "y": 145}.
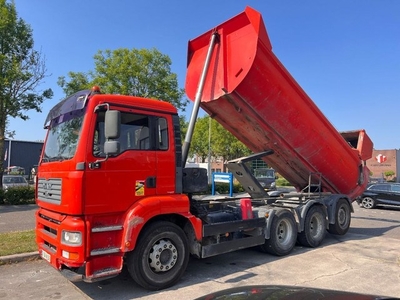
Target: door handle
{"x": 151, "y": 182}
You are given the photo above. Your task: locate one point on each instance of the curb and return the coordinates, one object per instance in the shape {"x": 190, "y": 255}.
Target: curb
{"x": 15, "y": 258}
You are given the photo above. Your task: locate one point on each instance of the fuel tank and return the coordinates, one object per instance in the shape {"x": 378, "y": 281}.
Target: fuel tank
{"x": 251, "y": 94}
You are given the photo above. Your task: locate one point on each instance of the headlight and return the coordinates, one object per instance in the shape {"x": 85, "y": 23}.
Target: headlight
{"x": 71, "y": 238}
{"x": 273, "y": 184}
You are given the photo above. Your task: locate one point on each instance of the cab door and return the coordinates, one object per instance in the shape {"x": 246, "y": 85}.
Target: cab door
{"x": 115, "y": 183}
{"x": 166, "y": 156}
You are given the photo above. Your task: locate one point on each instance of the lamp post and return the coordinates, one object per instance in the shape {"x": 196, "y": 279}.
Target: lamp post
{"x": 209, "y": 150}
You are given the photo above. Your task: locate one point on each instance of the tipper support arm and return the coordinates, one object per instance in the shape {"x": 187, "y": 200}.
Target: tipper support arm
{"x": 196, "y": 106}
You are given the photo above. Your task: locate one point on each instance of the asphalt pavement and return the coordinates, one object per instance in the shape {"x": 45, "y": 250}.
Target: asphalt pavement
{"x": 365, "y": 260}
{"x": 17, "y": 217}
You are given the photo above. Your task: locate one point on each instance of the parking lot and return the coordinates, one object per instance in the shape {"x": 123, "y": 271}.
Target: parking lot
{"x": 366, "y": 260}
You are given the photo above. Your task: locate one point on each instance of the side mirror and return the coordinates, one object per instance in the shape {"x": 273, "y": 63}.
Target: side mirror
{"x": 112, "y": 124}
{"x": 111, "y": 147}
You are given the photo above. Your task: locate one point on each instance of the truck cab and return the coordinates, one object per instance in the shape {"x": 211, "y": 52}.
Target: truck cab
{"x": 93, "y": 182}
{"x": 266, "y": 177}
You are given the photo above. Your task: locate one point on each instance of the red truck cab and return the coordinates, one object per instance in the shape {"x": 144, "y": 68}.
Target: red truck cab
{"x": 92, "y": 201}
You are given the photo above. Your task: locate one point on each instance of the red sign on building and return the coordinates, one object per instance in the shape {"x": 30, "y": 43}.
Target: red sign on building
{"x": 380, "y": 158}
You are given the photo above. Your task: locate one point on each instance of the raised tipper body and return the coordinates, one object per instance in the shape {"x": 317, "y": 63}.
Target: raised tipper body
{"x": 249, "y": 92}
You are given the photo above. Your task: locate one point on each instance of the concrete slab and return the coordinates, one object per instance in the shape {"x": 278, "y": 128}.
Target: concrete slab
{"x": 354, "y": 263}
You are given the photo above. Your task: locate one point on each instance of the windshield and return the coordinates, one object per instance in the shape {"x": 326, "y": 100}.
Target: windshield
{"x": 264, "y": 173}
{"x": 14, "y": 179}
{"x": 63, "y": 137}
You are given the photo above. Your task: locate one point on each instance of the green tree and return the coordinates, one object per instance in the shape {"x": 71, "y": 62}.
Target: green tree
{"x": 389, "y": 174}
{"x": 138, "y": 72}
{"x": 226, "y": 145}
{"x": 200, "y": 140}
{"x": 22, "y": 70}
{"x": 184, "y": 127}
{"x": 223, "y": 143}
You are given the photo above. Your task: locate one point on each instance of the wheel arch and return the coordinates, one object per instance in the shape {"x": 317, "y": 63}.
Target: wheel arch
{"x": 280, "y": 241}
{"x": 160, "y": 257}
{"x": 331, "y": 204}
{"x": 369, "y": 194}
{"x": 142, "y": 215}
{"x": 304, "y": 210}
{"x": 271, "y": 215}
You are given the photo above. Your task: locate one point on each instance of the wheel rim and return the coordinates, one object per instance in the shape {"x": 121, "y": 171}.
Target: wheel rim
{"x": 367, "y": 202}
{"x": 163, "y": 256}
{"x": 284, "y": 233}
{"x": 343, "y": 218}
{"x": 316, "y": 225}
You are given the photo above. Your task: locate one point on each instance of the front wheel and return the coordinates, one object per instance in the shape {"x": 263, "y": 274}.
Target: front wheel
{"x": 283, "y": 234}
{"x": 342, "y": 218}
{"x": 368, "y": 202}
{"x": 160, "y": 257}
{"x": 314, "y": 227}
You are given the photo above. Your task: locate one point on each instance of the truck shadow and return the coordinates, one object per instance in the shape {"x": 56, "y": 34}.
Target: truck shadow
{"x": 365, "y": 233}
{"x": 236, "y": 268}
{"x": 213, "y": 269}
{"x": 231, "y": 268}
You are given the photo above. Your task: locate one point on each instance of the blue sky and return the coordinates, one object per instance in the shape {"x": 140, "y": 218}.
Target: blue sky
{"x": 345, "y": 54}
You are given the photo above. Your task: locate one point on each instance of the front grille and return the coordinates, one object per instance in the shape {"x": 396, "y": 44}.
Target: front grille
{"x": 50, "y": 227}
{"x": 49, "y": 219}
{"x": 49, "y": 190}
{"x": 51, "y": 246}
{"x": 50, "y": 230}
{"x": 47, "y": 230}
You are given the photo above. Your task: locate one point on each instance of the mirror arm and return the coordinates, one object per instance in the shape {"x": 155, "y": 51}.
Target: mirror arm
{"x": 96, "y": 164}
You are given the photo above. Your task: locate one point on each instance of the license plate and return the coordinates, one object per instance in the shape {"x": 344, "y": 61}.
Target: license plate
{"x": 46, "y": 256}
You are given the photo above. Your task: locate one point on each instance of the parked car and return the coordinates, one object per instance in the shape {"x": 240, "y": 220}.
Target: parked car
{"x": 380, "y": 194}
{"x": 14, "y": 180}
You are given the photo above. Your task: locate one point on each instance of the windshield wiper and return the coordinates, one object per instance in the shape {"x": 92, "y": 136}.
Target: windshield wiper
{"x": 58, "y": 158}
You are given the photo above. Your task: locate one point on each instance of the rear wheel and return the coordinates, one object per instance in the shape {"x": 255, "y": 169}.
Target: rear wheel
{"x": 283, "y": 234}
{"x": 160, "y": 257}
{"x": 368, "y": 202}
{"x": 342, "y": 218}
{"x": 314, "y": 227}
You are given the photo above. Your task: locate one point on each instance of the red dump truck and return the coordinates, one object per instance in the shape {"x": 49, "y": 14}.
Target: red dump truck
{"x": 113, "y": 190}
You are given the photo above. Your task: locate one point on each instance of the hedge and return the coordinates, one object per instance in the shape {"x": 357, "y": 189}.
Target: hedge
{"x": 17, "y": 195}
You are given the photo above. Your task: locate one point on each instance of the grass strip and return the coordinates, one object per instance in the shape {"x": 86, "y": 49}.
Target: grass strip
{"x": 17, "y": 242}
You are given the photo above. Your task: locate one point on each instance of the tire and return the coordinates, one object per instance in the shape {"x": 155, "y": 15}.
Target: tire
{"x": 342, "y": 218}
{"x": 368, "y": 202}
{"x": 314, "y": 227}
{"x": 283, "y": 234}
{"x": 155, "y": 272}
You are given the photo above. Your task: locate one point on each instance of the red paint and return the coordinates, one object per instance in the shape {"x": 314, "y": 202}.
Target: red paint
{"x": 249, "y": 91}
{"x": 245, "y": 206}
{"x": 102, "y": 203}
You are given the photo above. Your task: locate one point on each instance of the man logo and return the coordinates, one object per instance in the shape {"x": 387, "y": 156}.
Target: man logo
{"x": 46, "y": 185}
{"x": 380, "y": 158}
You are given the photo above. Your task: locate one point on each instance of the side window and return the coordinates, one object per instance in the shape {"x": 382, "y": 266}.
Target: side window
{"x": 99, "y": 137}
{"x": 136, "y": 133}
{"x": 380, "y": 187}
{"x": 162, "y": 129}
{"x": 396, "y": 188}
